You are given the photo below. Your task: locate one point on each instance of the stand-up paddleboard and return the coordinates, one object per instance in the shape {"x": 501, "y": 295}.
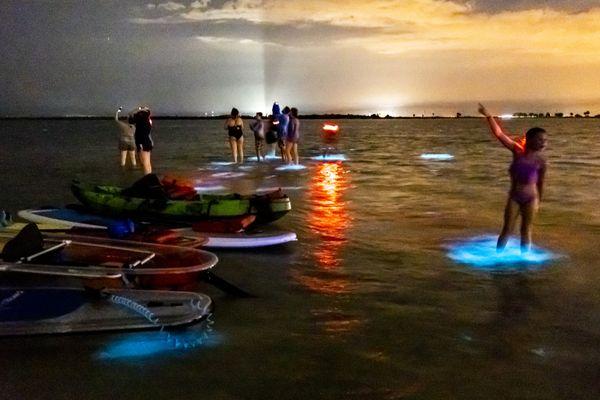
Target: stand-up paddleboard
{"x": 33, "y": 311}
{"x": 74, "y": 218}
{"x": 248, "y": 240}
{"x": 67, "y": 217}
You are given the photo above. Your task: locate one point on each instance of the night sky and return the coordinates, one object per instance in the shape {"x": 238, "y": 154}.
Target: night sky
{"x": 360, "y": 56}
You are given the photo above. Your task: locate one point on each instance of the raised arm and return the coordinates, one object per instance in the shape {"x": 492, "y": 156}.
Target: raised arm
{"x": 121, "y": 123}
{"x": 497, "y": 130}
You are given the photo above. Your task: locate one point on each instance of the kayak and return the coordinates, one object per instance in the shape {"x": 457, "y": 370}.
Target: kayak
{"x": 138, "y": 265}
{"x": 33, "y": 311}
{"x": 72, "y": 218}
{"x": 158, "y": 206}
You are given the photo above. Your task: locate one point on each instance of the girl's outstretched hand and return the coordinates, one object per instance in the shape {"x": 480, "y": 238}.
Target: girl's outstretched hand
{"x": 482, "y": 110}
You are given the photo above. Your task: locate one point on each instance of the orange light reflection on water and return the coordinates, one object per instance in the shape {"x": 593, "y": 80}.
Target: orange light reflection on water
{"x": 329, "y": 219}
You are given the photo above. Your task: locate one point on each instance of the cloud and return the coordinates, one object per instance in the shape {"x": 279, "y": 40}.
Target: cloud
{"x": 413, "y": 27}
{"x": 236, "y": 41}
{"x": 171, "y": 6}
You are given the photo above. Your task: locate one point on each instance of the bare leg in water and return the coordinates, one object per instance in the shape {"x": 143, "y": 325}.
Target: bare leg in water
{"x": 240, "y": 149}
{"x": 511, "y": 212}
{"x": 528, "y": 212}
{"x": 145, "y": 160}
{"x": 233, "y": 146}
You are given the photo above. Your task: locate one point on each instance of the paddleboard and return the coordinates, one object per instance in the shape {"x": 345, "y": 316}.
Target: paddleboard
{"x": 248, "y": 240}
{"x": 74, "y": 218}
{"x": 33, "y": 311}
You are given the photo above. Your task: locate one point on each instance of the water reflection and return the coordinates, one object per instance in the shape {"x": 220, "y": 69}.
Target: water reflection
{"x": 508, "y": 332}
{"x": 329, "y": 216}
{"x": 329, "y": 220}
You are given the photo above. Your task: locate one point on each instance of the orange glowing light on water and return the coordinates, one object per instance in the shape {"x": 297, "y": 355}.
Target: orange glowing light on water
{"x": 329, "y": 217}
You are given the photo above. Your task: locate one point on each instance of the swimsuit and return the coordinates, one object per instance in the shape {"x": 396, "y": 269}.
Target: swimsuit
{"x": 235, "y": 131}
{"x": 524, "y": 173}
{"x": 143, "y": 126}
{"x": 143, "y": 141}
{"x": 293, "y": 134}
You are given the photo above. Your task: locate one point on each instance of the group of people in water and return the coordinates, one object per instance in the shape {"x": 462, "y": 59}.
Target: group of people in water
{"x": 135, "y": 136}
{"x": 281, "y": 128}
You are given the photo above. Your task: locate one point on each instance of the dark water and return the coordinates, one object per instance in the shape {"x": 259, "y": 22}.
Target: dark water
{"x": 366, "y": 305}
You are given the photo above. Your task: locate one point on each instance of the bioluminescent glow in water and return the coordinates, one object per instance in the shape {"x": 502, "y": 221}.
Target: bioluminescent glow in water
{"x": 209, "y": 188}
{"x": 222, "y": 163}
{"x": 148, "y": 344}
{"x": 330, "y": 157}
{"x": 292, "y": 167}
{"x": 437, "y": 157}
{"x": 267, "y": 157}
{"x": 480, "y": 253}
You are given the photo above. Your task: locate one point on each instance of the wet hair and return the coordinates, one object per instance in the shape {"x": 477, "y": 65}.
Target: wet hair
{"x": 294, "y": 112}
{"x": 531, "y": 135}
{"x": 285, "y": 110}
{"x": 259, "y": 114}
{"x": 130, "y": 119}
{"x": 235, "y": 112}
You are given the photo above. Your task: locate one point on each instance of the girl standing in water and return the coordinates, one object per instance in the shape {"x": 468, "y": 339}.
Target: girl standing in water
{"x": 143, "y": 139}
{"x": 233, "y": 126}
{"x": 527, "y": 173}
{"x": 126, "y": 140}
{"x": 292, "y": 138}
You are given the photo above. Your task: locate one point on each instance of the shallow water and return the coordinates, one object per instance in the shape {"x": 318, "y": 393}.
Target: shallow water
{"x": 367, "y": 304}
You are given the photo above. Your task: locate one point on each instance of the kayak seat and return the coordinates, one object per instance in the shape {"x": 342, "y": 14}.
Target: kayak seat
{"x": 27, "y": 242}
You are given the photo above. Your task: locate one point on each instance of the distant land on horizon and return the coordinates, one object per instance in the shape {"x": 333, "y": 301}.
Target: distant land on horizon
{"x": 307, "y": 116}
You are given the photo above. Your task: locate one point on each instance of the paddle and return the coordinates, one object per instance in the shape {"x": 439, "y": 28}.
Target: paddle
{"x": 222, "y": 284}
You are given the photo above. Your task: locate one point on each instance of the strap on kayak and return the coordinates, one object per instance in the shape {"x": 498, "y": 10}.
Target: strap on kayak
{"x": 136, "y": 307}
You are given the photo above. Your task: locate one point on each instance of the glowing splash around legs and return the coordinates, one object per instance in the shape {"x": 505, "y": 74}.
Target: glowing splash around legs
{"x": 480, "y": 253}
{"x": 330, "y": 157}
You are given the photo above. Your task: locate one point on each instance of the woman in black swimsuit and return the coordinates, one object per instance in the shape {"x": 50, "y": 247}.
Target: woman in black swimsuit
{"x": 143, "y": 140}
{"x": 234, "y": 127}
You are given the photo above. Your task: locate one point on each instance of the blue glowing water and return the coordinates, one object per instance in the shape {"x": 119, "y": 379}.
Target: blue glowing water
{"x": 292, "y": 167}
{"x": 222, "y": 162}
{"x": 437, "y": 157}
{"x": 480, "y": 253}
{"x": 330, "y": 157}
{"x": 148, "y": 344}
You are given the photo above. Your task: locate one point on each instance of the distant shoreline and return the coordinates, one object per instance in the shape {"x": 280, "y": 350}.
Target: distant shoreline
{"x": 306, "y": 116}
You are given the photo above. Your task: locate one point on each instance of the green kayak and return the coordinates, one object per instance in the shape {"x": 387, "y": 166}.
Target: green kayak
{"x": 157, "y": 204}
